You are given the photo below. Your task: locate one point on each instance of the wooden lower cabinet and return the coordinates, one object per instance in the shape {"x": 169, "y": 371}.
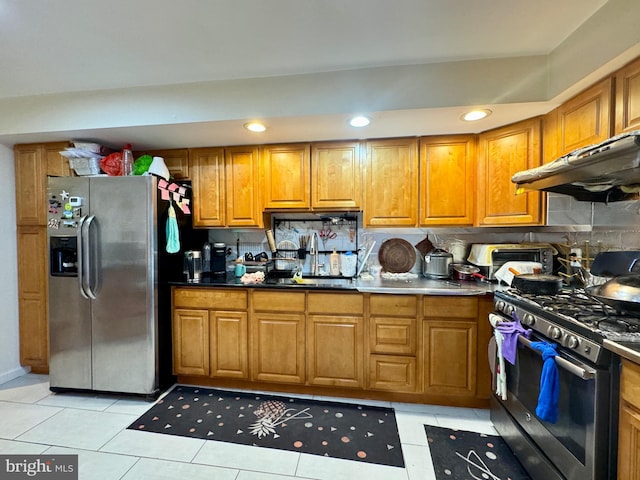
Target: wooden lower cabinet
{"x": 414, "y": 348}
{"x": 190, "y": 342}
{"x": 228, "y": 340}
{"x": 336, "y": 355}
{"x": 450, "y": 342}
{"x": 450, "y": 357}
{"x": 210, "y": 332}
{"x": 393, "y": 342}
{"x": 335, "y": 339}
{"x": 629, "y": 422}
{"x": 33, "y": 297}
{"x": 278, "y": 347}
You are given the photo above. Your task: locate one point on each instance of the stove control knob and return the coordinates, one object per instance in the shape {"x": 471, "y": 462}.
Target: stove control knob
{"x": 554, "y": 332}
{"x": 572, "y": 341}
{"x": 508, "y": 309}
{"x": 528, "y": 319}
{"x": 500, "y": 305}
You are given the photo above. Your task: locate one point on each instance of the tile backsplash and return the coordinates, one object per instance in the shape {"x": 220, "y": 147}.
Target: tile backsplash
{"x": 614, "y": 226}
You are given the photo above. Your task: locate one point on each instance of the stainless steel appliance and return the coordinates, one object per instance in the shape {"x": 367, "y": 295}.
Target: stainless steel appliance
{"x": 582, "y": 443}
{"x": 490, "y": 257}
{"x": 604, "y": 172}
{"x": 103, "y": 327}
{"x": 193, "y": 266}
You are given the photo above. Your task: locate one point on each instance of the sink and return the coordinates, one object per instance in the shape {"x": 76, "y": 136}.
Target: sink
{"x": 320, "y": 282}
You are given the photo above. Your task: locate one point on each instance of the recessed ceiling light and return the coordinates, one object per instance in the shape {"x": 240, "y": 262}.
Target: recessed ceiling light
{"x": 475, "y": 115}
{"x": 255, "y": 127}
{"x": 359, "y": 121}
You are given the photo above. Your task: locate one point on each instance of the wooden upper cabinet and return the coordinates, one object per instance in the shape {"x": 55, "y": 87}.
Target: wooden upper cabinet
{"x": 32, "y": 165}
{"x": 207, "y": 175}
{"x": 286, "y": 176}
{"x": 501, "y": 153}
{"x": 176, "y": 160}
{"x": 447, "y": 180}
{"x": 627, "y": 116}
{"x": 57, "y": 165}
{"x": 335, "y": 175}
{"x": 391, "y": 183}
{"x": 586, "y": 118}
{"x": 242, "y": 170}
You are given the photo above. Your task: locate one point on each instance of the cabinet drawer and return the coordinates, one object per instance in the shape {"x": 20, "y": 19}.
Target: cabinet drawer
{"x": 340, "y": 303}
{"x": 393, "y": 305}
{"x": 388, "y": 372}
{"x": 214, "y": 299}
{"x": 393, "y": 335}
{"x": 278, "y": 301}
{"x": 450, "y": 307}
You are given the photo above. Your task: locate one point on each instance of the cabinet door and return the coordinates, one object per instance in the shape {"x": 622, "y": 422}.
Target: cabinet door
{"x": 228, "y": 344}
{"x": 30, "y": 173}
{"x": 335, "y": 175}
{"x": 176, "y": 160}
{"x": 503, "y": 152}
{"x": 57, "y": 165}
{"x": 243, "y": 195}
{"x": 450, "y": 357}
{"x": 391, "y": 183}
{"x": 628, "y": 98}
{"x": 32, "y": 297}
{"x": 335, "y": 350}
{"x": 190, "y": 342}
{"x": 207, "y": 176}
{"x": 278, "y": 353}
{"x": 447, "y": 180}
{"x": 586, "y": 118}
{"x": 629, "y": 443}
{"x": 286, "y": 172}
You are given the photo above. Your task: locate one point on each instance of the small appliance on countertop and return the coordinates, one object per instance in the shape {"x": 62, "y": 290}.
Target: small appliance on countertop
{"x": 490, "y": 257}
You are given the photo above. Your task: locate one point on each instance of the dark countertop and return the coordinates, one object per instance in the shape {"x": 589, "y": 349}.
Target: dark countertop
{"x": 416, "y": 286}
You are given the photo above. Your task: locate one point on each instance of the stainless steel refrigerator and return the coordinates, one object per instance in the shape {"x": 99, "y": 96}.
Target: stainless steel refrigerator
{"x": 103, "y": 323}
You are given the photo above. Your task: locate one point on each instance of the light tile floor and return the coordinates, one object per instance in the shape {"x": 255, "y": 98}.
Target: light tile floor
{"x": 33, "y": 421}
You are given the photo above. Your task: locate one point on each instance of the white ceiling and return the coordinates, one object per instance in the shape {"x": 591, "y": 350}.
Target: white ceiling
{"x": 161, "y": 73}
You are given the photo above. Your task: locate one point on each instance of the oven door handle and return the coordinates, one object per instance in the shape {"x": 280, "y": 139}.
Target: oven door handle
{"x": 583, "y": 372}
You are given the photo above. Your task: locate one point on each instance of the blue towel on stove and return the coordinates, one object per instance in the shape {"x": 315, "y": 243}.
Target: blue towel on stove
{"x": 547, "y": 408}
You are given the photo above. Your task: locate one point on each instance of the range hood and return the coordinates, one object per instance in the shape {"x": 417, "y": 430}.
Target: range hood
{"x": 605, "y": 172}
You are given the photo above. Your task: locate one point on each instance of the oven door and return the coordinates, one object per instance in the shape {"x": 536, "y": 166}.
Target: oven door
{"x": 577, "y": 444}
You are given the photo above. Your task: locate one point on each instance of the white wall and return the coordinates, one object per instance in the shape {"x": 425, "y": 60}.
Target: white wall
{"x": 9, "y": 340}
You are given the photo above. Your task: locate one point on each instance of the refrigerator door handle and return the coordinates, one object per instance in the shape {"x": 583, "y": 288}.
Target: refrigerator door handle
{"x": 86, "y": 257}
{"x": 80, "y": 257}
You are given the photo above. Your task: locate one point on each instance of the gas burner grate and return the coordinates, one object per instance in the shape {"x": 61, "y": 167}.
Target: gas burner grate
{"x": 578, "y": 307}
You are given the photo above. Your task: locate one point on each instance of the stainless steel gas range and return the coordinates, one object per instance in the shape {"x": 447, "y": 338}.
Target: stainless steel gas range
{"x": 582, "y": 443}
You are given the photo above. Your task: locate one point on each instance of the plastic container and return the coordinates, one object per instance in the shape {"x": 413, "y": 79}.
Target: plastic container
{"x": 334, "y": 263}
{"x": 127, "y": 160}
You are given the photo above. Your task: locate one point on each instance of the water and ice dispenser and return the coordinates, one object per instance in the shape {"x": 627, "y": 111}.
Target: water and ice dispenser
{"x": 63, "y": 255}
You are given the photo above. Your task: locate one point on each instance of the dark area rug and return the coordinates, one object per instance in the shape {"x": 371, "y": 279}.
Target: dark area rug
{"x": 339, "y": 430}
{"x": 461, "y": 455}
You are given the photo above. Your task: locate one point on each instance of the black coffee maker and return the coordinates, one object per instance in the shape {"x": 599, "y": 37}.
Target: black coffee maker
{"x": 219, "y": 259}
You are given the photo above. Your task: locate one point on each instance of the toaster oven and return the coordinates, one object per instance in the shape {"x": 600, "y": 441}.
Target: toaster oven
{"x": 490, "y": 257}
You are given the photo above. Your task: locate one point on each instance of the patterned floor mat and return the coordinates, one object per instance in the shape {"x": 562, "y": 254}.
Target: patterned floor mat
{"x": 340, "y": 430}
{"x": 461, "y": 455}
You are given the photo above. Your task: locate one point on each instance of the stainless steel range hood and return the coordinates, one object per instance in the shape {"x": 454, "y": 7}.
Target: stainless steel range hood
{"x": 606, "y": 172}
